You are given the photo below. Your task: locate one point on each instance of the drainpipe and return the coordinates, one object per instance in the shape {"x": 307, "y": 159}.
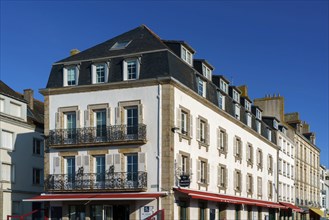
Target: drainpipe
{"x": 159, "y": 137}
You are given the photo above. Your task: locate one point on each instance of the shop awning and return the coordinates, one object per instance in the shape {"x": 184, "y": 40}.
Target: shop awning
{"x": 292, "y": 206}
{"x": 317, "y": 211}
{"x": 95, "y": 196}
{"x": 216, "y": 197}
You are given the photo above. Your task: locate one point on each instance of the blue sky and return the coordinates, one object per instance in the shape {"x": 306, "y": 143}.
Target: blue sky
{"x": 271, "y": 46}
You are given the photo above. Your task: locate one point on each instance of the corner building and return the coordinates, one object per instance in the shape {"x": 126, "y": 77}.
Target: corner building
{"x": 135, "y": 126}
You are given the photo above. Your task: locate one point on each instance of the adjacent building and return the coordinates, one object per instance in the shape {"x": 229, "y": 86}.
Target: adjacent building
{"x": 21, "y": 151}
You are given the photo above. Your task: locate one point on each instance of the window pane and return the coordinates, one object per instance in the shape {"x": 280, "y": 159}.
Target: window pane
{"x": 7, "y": 140}
{"x": 100, "y": 73}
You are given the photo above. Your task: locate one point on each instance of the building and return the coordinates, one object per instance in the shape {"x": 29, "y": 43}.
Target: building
{"x": 324, "y": 189}
{"x": 136, "y": 125}
{"x": 21, "y": 151}
{"x": 306, "y": 154}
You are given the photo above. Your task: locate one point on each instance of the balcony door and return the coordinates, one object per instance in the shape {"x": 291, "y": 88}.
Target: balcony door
{"x": 100, "y": 171}
{"x": 132, "y": 121}
{"x": 70, "y": 126}
{"x": 100, "y": 116}
{"x": 132, "y": 170}
{"x": 70, "y": 171}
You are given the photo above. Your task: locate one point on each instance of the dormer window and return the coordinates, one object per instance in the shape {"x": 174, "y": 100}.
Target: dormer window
{"x": 223, "y": 86}
{"x": 237, "y": 111}
{"x": 221, "y": 100}
{"x": 120, "y": 45}
{"x": 99, "y": 73}
{"x": 236, "y": 96}
{"x": 186, "y": 55}
{"x": 131, "y": 68}
{"x": 206, "y": 71}
{"x": 201, "y": 87}
{"x": 269, "y": 134}
{"x": 258, "y": 114}
{"x": 284, "y": 130}
{"x": 71, "y": 74}
{"x": 275, "y": 124}
{"x": 247, "y": 105}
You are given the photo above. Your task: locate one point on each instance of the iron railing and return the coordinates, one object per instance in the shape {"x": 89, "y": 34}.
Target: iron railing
{"x": 99, "y": 134}
{"x": 114, "y": 181}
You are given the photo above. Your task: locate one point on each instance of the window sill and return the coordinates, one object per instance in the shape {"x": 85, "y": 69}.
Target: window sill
{"x": 222, "y": 151}
{"x": 238, "y": 158}
{"x": 203, "y": 144}
{"x": 185, "y": 136}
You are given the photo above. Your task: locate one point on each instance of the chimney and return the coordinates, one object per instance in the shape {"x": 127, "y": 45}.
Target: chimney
{"x": 74, "y": 52}
{"x": 28, "y": 96}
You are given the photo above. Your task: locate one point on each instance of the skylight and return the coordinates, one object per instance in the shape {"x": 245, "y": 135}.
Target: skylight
{"x": 120, "y": 45}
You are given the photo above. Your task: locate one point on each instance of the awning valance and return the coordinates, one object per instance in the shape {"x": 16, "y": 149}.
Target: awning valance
{"x": 216, "y": 197}
{"x": 317, "y": 211}
{"x": 292, "y": 206}
{"x": 95, "y": 196}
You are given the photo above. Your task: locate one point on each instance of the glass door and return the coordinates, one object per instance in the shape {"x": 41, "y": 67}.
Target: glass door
{"x": 108, "y": 212}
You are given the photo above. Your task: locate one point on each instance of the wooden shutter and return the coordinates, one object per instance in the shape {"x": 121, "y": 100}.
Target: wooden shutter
{"x": 208, "y": 173}
{"x": 77, "y": 113}
{"x": 117, "y": 162}
{"x": 179, "y": 161}
{"x": 140, "y": 114}
{"x": 118, "y": 112}
{"x": 108, "y": 116}
{"x": 207, "y": 133}
{"x": 87, "y": 118}
{"x": 198, "y": 129}
{"x": 198, "y": 162}
{"x": 191, "y": 168}
{"x": 108, "y": 161}
{"x": 178, "y": 119}
{"x": 141, "y": 161}
{"x": 218, "y": 138}
{"x": 225, "y": 141}
{"x": 56, "y": 165}
{"x": 191, "y": 126}
{"x": 58, "y": 120}
{"x": 78, "y": 162}
{"x": 86, "y": 163}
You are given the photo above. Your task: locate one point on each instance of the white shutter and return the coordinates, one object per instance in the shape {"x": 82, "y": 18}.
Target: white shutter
{"x": 198, "y": 129}
{"x": 141, "y": 161}
{"x": 248, "y": 152}
{"x": 191, "y": 126}
{"x": 125, "y": 71}
{"x": 108, "y": 116}
{"x": 117, "y": 162}
{"x": 178, "y": 119}
{"x": 56, "y": 165}
{"x": 198, "y": 170}
{"x": 234, "y": 147}
{"x": 107, "y": 67}
{"x": 77, "y": 113}
{"x": 108, "y": 161}
{"x": 218, "y": 138}
{"x": 268, "y": 162}
{"x": 87, "y": 118}
{"x": 93, "y": 73}
{"x": 140, "y": 114}
{"x": 207, "y": 134}
{"x": 179, "y": 161}
{"x": 86, "y": 164}
{"x": 218, "y": 175}
{"x": 208, "y": 173}
{"x": 118, "y": 115}
{"x": 248, "y": 183}
{"x": 78, "y": 162}
{"x": 225, "y": 141}
{"x": 58, "y": 119}
{"x": 191, "y": 168}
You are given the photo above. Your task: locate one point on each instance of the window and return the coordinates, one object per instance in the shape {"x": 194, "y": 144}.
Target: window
{"x": 248, "y": 115}
{"x": 37, "y": 146}
{"x": 249, "y": 184}
{"x": 236, "y": 96}
{"x": 223, "y": 86}
{"x": 259, "y": 159}
{"x": 249, "y": 154}
{"x": 201, "y": 87}
{"x": 292, "y": 172}
{"x": 221, "y": 140}
{"x": 221, "y": 176}
{"x": 269, "y": 134}
{"x": 237, "y": 180}
{"x": 221, "y": 101}
{"x": 2, "y": 105}
{"x": 202, "y": 131}
{"x": 237, "y": 111}
{"x": 71, "y": 74}
{"x": 100, "y": 116}
{"x": 202, "y": 211}
{"x": 258, "y": 114}
{"x": 258, "y": 126}
{"x": 131, "y": 69}
{"x": 270, "y": 163}
{"x": 203, "y": 171}
{"x": 183, "y": 125}
{"x": 270, "y": 189}
{"x": 184, "y": 122}
{"x": 132, "y": 120}
{"x": 237, "y": 212}
{"x": 183, "y": 163}
{"x": 8, "y": 172}
{"x": 284, "y": 168}
{"x": 37, "y": 176}
{"x": 280, "y": 166}
{"x": 100, "y": 73}
{"x": 247, "y": 105}
{"x": 237, "y": 148}
{"x": 70, "y": 125}
{"x": 288, "y": 170}
{"x": 259, "y": 186}
{"x": 183, "y": 210}
{"x": 100, "y": 168}
{"x": 70, "y": 169}
{"x": 249, "y": 214}
{"x": 132, "y": 167}
{"x": 120, "y": 45}
{"x": 185, "y": 167}
{"x": 15, "y": 109}
{"x": 206, "y": 71}
{"x": 275, "y": 124}
{"x": 186, "y": 55}
{"x": 7, "y": 140}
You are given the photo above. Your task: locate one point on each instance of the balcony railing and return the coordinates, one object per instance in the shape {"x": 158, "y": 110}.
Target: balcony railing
{"x": 115, "y": 181}
{"x": 102, "y": 134}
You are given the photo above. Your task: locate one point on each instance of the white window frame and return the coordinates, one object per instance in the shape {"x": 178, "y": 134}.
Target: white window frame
{"x": 237, "y": 111}
{"x": 222, "y": 176}
{"x": 269, "y": 134}
{"x": 221, "y": 100}
{"x": 186, "y": 55}
{"x": 11, "y": 173}
{"x": 249, "y": 121}
{"x": 237, "y": 180}
{"x": 206, "y": 71}
{"x": 16, "y": 109}
{"x": 223, "y": 86}
{"x": 7, "y": 142}
{"x": 203, "y": 83}
{"x": 259, "y": 158}
{"x": 259, "y": 186}
{"x": 125, "y": 68}
{"x": 249, "y": 183}
{"x": 258, "y": 127}
{"x": 247, "y": 105}
{"x": 94, "y": 72}
{"x": 258, "y": 114}
{"x": 65, "y": 74}
{"x": 238, "y": 147}
{"x": 236, "y": 96}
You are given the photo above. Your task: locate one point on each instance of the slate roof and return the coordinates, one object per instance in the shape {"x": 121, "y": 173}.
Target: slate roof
{"x": 35, "y": 116}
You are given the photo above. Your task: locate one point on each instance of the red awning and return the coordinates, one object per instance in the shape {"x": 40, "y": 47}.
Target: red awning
{"x": 292, "y": 206}
{"x": 216, "y": 197}
{"x": 95, "y": 196}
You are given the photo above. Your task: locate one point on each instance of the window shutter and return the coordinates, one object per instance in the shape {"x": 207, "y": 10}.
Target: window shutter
{"x": 108, "y": 116}
{"x": 117, "y": 162}
{"x": 199, "y": 170}
{"x": 64, "y": 76}
{"x": 179, "y": 161}
{"x": 77, "y": 113}
{"x": 125, "y": 71}
{"x": 118, "y": 115}
{"x": 235, "y": 147}
{"x": 207, "y": 134}
{"x": 178, "y": 119}
{"x": 140, "y": 114}
{"x": 198, "y": 129}
{"x": 268, "y": 162}
{"x": 108, "y": 161}
{"x": 218, "y": 175}
{"x": 107, "y": 67}
{"x": 58, "y": 118}
{"x": 191, "y": 169}
{"x": 225, "y": 141}
{"x": 248, "y": 152}
{"x": 87, "y": 118}
{"x": 93, "y": 70}
{"x": 56, "y": 165}
{"x": 218, "y": 138}
{"x": 208, "y": 173}
{"x": 225, "y": 177}
{"x": 141, "y": 161}
{"x": 78, "y": 162}
{"x": 191, "y": 126}
{"x": 86, "y": 162}
{"x": 248, "y": 183}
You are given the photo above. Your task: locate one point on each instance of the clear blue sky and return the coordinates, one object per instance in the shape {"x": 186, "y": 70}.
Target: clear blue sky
{"x": 271, "y": 46}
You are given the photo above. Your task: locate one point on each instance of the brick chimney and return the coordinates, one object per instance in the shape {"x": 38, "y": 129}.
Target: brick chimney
{"x": 28, "y": 96}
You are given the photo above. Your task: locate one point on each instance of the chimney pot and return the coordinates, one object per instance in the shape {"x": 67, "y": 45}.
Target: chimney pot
{"x": 74, "y": 52}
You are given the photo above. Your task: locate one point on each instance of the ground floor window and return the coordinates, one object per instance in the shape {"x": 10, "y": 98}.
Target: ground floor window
{"x": 249, "y": 213}
{"x": 237, "y": 212}
{"x": 222, "y": 210}
{"x": 183, "y": 210}
{"x": 202, "y": 211}
{"x": 77, "y": 212}
{"x": 259, "y": 212}
{"x": 212, "y": 214}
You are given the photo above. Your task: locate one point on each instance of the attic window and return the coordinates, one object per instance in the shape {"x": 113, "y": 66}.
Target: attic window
{"x": 120, "y": 45}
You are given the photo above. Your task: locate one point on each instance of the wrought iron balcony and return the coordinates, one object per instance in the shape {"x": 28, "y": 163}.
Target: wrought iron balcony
{"x": 116, "y": 134}
{"x": 111, "y": 181}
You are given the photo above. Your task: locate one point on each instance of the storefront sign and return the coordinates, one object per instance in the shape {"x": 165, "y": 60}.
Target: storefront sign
{"x": 184, "y": 181}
